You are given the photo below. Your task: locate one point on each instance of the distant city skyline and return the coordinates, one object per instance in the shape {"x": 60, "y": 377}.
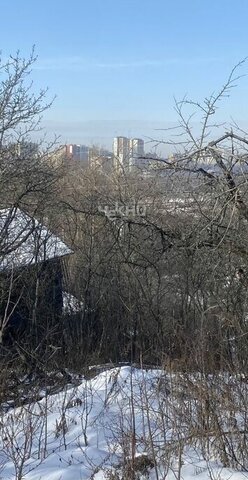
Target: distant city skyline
{"x": 126, "y": 154}
{"x": 116, "y": 66}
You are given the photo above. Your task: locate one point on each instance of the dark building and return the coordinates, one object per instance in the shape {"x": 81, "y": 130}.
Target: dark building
{"x": 32, "y": 266}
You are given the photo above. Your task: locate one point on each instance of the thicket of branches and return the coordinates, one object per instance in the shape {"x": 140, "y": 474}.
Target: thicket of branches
{"x": 159, "y": 275}
{"x": 169, "y": 286}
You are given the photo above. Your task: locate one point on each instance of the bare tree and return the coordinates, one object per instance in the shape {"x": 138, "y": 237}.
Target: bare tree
{"x": 30, "y": 188}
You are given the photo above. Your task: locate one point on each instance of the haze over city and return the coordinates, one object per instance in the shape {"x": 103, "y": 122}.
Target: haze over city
{"x": 115, "y": 66}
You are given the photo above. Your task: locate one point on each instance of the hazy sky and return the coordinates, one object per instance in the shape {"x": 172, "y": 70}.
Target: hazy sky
{"x": 115, "y": 65}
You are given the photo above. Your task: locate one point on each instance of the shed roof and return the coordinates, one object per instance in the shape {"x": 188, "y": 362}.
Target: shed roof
{"x": 25, "y": 241}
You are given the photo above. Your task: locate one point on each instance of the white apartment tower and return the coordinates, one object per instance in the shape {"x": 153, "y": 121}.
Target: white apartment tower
{"x": 127, "y": 152}
{"x": 121, "y": 153}
{"x": 136, "y": 148}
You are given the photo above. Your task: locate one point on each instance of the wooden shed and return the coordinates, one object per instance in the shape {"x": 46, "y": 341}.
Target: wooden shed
{"x": 32, "y": 267}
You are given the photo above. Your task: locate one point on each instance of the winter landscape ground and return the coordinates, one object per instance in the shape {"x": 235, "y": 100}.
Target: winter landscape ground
{"x": 129, "y": 423}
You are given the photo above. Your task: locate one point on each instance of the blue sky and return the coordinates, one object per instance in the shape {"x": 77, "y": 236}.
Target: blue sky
{"x": 115, "y": 65}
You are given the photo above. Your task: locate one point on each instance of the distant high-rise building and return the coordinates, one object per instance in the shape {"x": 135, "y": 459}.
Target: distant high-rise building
{"x": 137, "y": 150}
{"x": 78, "y": 153}
{"x": 121, "y": 152}
{"x": 127, "y": 153}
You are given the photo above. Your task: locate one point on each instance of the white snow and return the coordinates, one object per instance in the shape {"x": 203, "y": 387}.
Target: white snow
{"x": 24, "y": 241}
{"x": 87, "y": 432}
{"x": 71, "y": 304}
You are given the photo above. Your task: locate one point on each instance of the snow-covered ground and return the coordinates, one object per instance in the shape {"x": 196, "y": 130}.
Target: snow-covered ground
{"x": 122, "y": 421}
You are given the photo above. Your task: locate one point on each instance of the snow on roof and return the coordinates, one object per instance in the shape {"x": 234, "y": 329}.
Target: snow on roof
{"x": 24, "y": 241}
